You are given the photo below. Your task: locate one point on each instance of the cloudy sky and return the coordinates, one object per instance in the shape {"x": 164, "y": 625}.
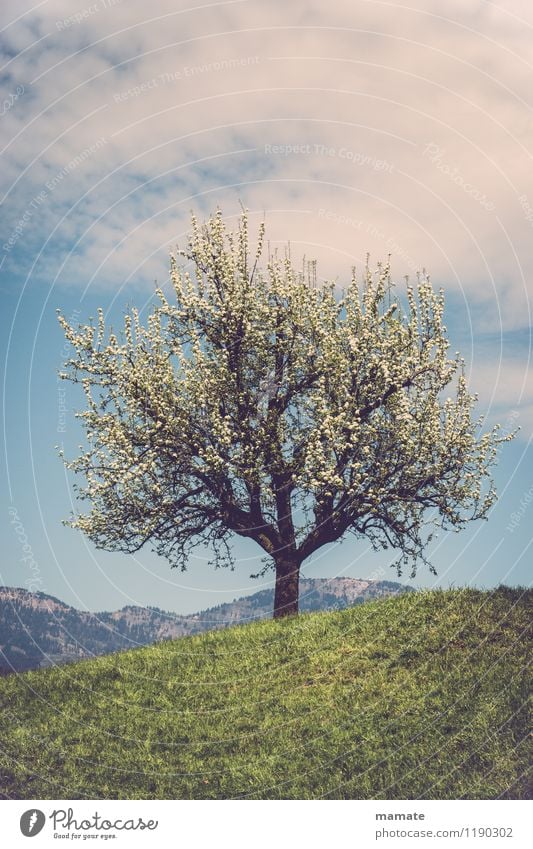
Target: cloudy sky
{"x": 350, "y": 127}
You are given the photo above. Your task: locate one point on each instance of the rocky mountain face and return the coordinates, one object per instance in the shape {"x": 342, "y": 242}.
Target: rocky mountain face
{"x": 38, "y": 630}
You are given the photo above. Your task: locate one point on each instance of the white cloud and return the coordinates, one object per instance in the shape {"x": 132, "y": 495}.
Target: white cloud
{"x": 412, "y": 129}
{"x": 505, "y": 389}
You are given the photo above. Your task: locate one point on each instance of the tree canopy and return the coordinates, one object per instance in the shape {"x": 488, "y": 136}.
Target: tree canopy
{"x": 256, "y": 400}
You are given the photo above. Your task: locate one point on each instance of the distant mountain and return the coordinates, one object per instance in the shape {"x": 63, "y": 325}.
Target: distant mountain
{"x": 39, "y": 630}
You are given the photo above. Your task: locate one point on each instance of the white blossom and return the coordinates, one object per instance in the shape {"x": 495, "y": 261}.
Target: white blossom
{"x": 258, "y": 402}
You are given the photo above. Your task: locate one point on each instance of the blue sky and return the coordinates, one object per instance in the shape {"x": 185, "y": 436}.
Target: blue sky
{"x": 358, "y": 127}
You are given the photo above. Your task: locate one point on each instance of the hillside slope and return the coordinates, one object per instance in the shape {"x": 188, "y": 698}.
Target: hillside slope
{"x": 422, "y": 695}
{"x": 38, "y": 630}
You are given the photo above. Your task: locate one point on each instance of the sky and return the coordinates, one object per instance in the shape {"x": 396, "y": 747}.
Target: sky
{"x": 352, "y": 127}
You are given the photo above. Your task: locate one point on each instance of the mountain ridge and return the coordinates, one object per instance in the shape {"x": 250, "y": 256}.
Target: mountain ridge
{"x": 37, "y": 629}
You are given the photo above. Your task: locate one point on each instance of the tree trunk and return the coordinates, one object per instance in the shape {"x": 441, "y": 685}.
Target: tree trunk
{"x": 286, "y": 592}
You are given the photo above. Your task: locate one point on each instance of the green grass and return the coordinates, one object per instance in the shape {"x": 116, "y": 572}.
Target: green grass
{"x": 421, "y": 696}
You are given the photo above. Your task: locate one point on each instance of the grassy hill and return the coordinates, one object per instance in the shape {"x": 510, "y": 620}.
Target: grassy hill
{"x": 423, "y": 695}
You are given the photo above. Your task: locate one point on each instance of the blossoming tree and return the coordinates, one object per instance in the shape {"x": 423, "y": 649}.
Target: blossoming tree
{"x": 256, "y": 401}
